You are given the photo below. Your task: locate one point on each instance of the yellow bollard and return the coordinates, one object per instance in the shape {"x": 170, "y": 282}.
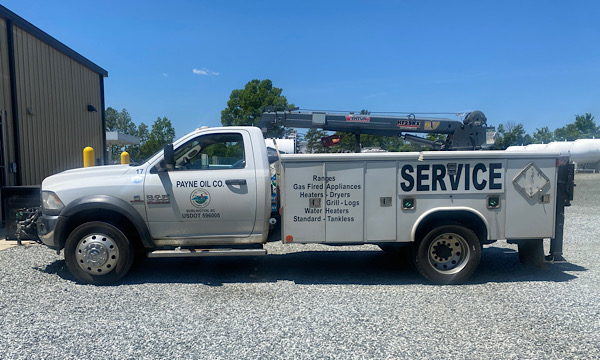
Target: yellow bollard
{"x": 88, "y": 157}
{"x": 125, "y": 158}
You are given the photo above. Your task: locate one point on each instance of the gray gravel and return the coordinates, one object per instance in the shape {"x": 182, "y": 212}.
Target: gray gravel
{"x": 310, "y": 302}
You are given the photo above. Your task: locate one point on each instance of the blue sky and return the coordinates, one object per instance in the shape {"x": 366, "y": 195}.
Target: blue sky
{"x": 530, "y": 62}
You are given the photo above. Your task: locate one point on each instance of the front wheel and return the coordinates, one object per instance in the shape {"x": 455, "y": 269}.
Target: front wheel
{"x": 98, "y": 253}
{"x": 447, "y": 254}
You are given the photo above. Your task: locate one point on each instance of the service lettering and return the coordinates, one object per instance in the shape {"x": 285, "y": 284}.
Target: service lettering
{"x": 435, "y": 177}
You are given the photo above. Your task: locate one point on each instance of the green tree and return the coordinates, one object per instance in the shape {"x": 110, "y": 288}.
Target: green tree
{"x": 568, "y": 132}
{"x": 120, "y": 121}
{"x": 511, "y": 134}
{"x": 150, "y": 141}
{"x": 387, "y": 143}
{"x": 584, "y": 126}
{"x": 441, "y": 138}
{"x": 313, "y": 141}
{"x": 245, "y": 105}
{"x": 346, "y": 144}
{"x": 135, "y": 151}
{"x": 543, "y": 136}
{"x": 162, "y": 133}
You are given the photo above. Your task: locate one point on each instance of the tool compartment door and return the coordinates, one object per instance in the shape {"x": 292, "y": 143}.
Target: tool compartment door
{"x": 381, "y": 202}
{"x": 304, "y": 202}
{"x": 530, "y": 198}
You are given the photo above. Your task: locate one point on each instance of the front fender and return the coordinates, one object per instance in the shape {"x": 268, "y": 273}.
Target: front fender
{"x": 103, "y": 202}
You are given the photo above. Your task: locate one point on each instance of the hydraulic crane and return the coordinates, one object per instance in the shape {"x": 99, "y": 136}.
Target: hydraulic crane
{"x": 469, "y": 134}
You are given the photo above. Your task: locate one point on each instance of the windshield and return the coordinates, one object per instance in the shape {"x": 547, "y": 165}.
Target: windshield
{"x": 138, "y": 163}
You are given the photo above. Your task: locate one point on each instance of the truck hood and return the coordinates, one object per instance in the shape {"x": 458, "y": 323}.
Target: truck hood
{"x": 91, "y": 176}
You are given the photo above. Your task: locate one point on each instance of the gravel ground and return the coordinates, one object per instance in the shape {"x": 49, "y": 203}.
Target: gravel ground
{"x": 310, "y": 302}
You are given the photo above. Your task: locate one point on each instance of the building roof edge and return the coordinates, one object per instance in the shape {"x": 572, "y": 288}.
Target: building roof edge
{"x": 8, "y": 15}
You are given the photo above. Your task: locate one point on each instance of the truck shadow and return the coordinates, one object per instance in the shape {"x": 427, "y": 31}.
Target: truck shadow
{"x": 325, "y": 267}
{"x": 334, "y": 267}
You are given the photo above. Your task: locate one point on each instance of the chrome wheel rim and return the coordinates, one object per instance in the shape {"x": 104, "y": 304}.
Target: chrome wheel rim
{"x": 97, "y": 254}
{"x": 448, "y": 253}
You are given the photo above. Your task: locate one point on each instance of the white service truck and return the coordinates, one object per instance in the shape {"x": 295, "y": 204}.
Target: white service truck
{"x": 209, "y": 194}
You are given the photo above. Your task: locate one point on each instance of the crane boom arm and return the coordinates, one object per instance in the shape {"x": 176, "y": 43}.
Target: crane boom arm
{"x": 468, "y": 134}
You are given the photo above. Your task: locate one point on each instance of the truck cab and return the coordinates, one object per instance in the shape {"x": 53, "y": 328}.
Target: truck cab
{"x": 214, "y": 188}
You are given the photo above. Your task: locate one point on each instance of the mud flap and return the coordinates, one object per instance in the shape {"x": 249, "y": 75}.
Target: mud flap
{"x": 531, "y": 253}
{"x": 564, "y": 196}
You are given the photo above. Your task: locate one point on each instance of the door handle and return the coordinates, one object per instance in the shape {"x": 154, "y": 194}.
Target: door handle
{"x": 235, "y": 182}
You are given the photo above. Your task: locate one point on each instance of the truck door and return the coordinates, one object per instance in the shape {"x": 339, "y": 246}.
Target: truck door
{"x": 210, "y": 193}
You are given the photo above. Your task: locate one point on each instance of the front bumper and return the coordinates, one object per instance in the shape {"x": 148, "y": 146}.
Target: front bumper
{"x": 46, "y": 226}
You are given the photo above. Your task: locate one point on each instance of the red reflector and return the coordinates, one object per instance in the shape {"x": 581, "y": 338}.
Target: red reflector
{"x": 289, "y": 238}
{"x": 328, "y": 141}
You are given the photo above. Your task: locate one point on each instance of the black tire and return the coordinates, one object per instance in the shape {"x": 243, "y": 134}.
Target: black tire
{"x": 447, "y": 254}
{"x": 98, "y": 253}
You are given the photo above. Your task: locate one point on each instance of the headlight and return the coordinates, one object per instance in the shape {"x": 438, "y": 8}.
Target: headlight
{"x": 51, "y": 203}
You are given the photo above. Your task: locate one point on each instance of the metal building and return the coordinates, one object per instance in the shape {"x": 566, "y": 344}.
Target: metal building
{"x": 51, "y": 104}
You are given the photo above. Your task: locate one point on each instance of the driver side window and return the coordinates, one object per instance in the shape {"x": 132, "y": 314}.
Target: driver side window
{"x": 211, "y": 152}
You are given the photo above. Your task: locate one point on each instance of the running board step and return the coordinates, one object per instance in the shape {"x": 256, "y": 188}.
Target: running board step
{"x": 205, "y": 252}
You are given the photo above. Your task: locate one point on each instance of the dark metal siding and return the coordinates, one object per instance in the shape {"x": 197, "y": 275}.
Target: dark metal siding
{"x": 6, "y": 115}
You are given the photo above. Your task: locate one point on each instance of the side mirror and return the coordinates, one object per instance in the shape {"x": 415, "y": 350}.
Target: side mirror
{"x": 169, "y": 157}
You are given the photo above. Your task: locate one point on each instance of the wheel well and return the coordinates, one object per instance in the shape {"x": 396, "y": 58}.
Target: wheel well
{"x": 463, "y": 218}
{"x": 112, "y": 217}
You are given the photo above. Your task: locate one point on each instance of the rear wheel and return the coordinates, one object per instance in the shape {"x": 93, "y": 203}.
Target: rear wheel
{"x": 98, "y": 253}
{"x": 447, "y": 254}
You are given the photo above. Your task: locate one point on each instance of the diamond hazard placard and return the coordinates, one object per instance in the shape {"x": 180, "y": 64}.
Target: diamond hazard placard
{"x": 531, "y": 181}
